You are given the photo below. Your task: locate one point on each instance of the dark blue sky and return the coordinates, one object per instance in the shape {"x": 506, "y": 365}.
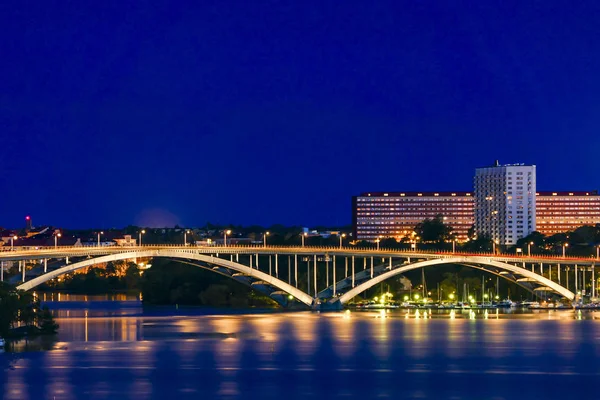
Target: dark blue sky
{"x": 278, "y": 112}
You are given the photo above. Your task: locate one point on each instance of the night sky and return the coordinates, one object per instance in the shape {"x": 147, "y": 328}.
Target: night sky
{"x": 262, "y": 112}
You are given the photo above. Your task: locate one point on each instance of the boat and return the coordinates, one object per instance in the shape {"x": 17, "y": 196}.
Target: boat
{"x": 505, "y": 304}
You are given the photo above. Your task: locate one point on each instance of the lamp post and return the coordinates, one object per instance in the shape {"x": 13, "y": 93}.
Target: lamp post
{"x": 12, "y": 245}
{"x": 342, "y": 236}
{"x": 140, "y": 235}
{"x": 265, "y": 238}
{"x": 225, "y": 233}
{"x": 56, "y": 240}
{"x": 564, "y": 248}
{"x": 99, "y": 233}
{"x": 185, "y": 232}
{"x": 303, "y": 235}
{"x": 529, "y": 249}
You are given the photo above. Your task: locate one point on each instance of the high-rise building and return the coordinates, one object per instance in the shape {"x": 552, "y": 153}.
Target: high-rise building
{"x": 558, "y": 212}
{"x": 395, "y": 214}
{"x": 505, "y": 202}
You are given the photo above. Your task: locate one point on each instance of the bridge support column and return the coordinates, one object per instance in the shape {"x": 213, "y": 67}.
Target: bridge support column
{"x": 276, "y": 267}
{"x": 231, "y": 257}
{"x": 20, "y": 265}
{"x": 256, "y": 260}
{"x": 326, "y": 271}
{"x": 346, "y": 271}
{"x": 23, "y": 270}
{"x": 333, "y": 276}
{"x": 593, "y": 282}
{"x": 307, "y": 275}
{"x": 270, "y": 266}
{"x": 567, "y": 272}
{"x": 542, "y": 269}
{"x": 315, "y": 272}
{"x": 289, "y": 270}
{"x": 352, "y": 271}
{"x": 237, "y": 257}
{"x": 296, "y": 269}
{"x": 1, "y": 271}
{"x": 251, "y": 261}
{"x": 558, "y": 272}
{"x": 45, "y": 265}
{"x": 390, "y": 266}
{"x": 364, "y": 263}
{"x": 371, "y": 266}
{"x": 576, "y": 281}
{"x": 66, "y": 260}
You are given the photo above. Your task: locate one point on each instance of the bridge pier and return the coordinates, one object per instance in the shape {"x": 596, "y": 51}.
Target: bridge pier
{"x": 1, "y": 271}
{"x": 346, "y": 270}
{"x": 296, "y": 269}
{"x": 45, "y": 265}
{"x": 327, "y": 306}
{"x": 352, "y": 271}
{"x": 315, "y": 273}
{"x": 23, "y": 269}
{"x": 326, "y": 271}
{"x": 334, "y": 276}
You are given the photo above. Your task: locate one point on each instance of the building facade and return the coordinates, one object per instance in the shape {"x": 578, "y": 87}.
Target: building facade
{"x": 395, "y": 214}
{"x": 558, "y": 212}
{"x": 505, "y": 202}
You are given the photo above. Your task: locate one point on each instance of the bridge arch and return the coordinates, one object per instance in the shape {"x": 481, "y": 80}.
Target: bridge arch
{"x": 343, "y": 299}
{"x": 174, "y": 254}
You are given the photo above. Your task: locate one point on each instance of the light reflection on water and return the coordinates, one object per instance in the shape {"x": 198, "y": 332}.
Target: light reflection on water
{"x": 131, "y": 352}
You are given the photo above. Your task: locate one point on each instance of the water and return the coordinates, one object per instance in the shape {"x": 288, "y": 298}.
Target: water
{"x": 126, "y": 352}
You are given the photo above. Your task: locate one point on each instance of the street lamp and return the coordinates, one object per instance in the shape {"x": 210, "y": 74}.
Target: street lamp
{"x": 99, "y": 233}
{"x": 303, "y": 235}
{"x": 56, "y": 239}
{"x": 225, "y": 233}
{"x": 342, "y": 236}
{"x": 185, "y": 237}
{"x": 12, "y": 246}
{"x": 377, "y": 241}
{"x": 564, "y": 248}
{"x": 529, "y": 249}
{"x": 265, "y": 238}
{"x": 140, "y": 235}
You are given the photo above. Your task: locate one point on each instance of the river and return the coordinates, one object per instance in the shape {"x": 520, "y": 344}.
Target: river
{"x": 112, "y": 348}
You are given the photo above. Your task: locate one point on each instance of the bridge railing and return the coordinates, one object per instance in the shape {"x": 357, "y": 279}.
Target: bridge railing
{"x": 300, "y": 249}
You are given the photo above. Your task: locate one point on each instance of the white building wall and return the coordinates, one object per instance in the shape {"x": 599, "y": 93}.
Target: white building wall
{"x": 505, "y": 202}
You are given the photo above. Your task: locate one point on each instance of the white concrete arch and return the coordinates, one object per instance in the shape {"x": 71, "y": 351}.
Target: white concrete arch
{"x": 456, "y": 260}
{"x": 177, "y": 254}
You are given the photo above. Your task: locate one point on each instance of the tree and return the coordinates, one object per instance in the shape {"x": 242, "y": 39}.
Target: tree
{"x": 434, "y": 230}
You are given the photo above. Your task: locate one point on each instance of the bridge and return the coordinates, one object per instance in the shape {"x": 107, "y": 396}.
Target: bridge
{"x": 333, "y": 275}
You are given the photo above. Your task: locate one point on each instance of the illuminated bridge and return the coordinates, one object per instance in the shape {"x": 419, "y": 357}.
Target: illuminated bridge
{"x": 329, "y": 277}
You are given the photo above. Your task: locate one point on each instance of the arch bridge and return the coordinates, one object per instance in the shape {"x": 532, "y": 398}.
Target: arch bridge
{"x": 318, "y": 277}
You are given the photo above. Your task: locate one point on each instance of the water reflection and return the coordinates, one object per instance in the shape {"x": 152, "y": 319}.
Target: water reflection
{"x": 142, "y": 353}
